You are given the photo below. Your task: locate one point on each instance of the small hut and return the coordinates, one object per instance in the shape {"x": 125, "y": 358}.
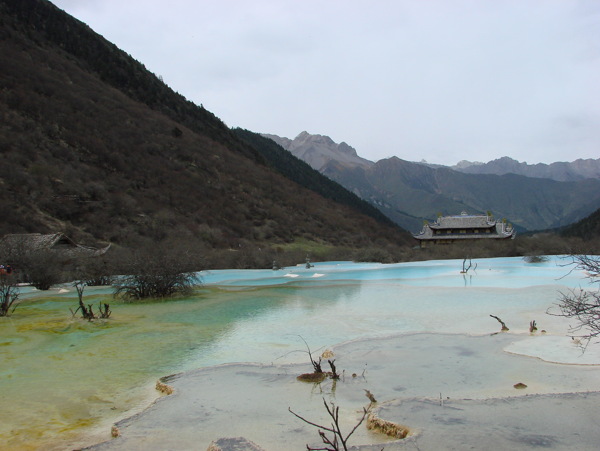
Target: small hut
{"x": 22, "y": 243}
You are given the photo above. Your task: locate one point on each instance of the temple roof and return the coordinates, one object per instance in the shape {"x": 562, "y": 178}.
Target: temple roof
{"x": 463, "y": 221}
{"x": 465, "y": 227}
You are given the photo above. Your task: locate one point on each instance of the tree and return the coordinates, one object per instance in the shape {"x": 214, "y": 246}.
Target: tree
{"x": 96, "y": 271}
{"x": 36, "y": 265}
{"x": 9, "y": 293}
{"x": 44, "y": 268}
{"x": 583, "y": 305}
{"x": 158, "y": 273}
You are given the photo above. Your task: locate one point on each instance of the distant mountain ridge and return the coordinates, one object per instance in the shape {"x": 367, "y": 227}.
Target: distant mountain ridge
{"x": 409, "y": 192}
{"x": 318, "y": 150}
{"x": 561, "y": 171}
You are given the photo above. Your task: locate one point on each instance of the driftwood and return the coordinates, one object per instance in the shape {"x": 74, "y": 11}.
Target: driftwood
{"x": 504, "y": 328}
{"x": 369, "y": 395}
{"x": 532, "y": 326}
{"x": 334, "y": 374}
{"x": 87, "y": 312}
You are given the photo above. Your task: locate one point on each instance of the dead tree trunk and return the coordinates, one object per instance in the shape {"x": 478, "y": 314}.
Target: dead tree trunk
{"x": 504, "y": 328}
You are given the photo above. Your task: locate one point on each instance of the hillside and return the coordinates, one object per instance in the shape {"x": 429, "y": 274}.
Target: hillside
{"x": 588, "y": 228}
{"x": 96, "y": 146}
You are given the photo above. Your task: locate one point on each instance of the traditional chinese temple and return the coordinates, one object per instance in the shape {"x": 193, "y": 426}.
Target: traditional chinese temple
{"x": 448, "y": 229}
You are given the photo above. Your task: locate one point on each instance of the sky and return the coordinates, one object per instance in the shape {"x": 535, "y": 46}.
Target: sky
{"x": 435, "y": 80}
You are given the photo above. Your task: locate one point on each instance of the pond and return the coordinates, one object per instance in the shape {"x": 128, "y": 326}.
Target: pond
{"x": 65, "y": 381}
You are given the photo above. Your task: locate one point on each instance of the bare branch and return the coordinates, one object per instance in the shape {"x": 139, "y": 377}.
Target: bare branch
{"x": 334, "y": 412}
{"x": 310, "y": 422}
{"x": 504, "y": 327}
{"x": 582, "y": 305}
{"x": 316, "y": 365}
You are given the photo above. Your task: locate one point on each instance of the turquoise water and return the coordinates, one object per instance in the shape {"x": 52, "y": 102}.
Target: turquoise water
{"x": 496, "y": 272}
{"x": 63, "y": 376}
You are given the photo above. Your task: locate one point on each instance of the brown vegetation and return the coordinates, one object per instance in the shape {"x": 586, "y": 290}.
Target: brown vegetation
{"x": 96, "y": 146}
{"x": 101, "y": 149}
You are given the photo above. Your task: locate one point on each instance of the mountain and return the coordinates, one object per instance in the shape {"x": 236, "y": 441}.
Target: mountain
{"x": 410, "y": 192}
{"x": 318, "y": 150}
{"x": 96, "y": 146}
{"x": 299, "y": 171}
{"x": 560, "y": 171}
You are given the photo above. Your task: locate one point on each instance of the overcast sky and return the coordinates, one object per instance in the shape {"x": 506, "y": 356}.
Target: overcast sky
{"x": 440, "y": 80}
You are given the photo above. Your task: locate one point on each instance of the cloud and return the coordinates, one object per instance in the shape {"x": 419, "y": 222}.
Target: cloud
{"x": 443, "y": 81}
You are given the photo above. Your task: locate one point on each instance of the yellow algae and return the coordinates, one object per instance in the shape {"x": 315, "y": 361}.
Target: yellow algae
{"x": 51, "y": 363}
{"x": 79, "y": 423}
{"x": 164, "y": 388}
{"x": 327, "y": 354}
{"x": 388, "y": 428}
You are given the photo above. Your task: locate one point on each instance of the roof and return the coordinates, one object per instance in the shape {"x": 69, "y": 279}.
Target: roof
{"x": 465, "y": 227}
{"x": 463, "y": 221}
{"x": 28, "y": 242}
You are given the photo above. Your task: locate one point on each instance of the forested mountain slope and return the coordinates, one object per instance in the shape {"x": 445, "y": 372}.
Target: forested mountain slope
{"x": 96, "y": 146}
{"x": 588, "y": 228}
{"x": 408, "y": 192}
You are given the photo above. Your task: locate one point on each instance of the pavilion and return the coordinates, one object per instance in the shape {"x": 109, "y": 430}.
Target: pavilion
{"x": 448, "y": 229}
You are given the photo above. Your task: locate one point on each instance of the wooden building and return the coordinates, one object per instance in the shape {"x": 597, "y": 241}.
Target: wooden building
{"x": 59, "y": 243}
{"x": 448, "y": 229}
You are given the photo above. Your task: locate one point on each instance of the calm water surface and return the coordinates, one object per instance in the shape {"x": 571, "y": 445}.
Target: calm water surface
{"x": 60, "y": 375}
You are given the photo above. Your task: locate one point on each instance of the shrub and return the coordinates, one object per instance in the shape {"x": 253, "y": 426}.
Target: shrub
{"x": 43, "y": 268}
{"x": 159, "y": 273}
{"x": 535, "y": 258}
{"x": 9, "y": 293}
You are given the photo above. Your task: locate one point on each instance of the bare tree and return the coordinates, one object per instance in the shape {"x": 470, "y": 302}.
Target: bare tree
{"x": 157, "y": 273}
{"x": 44, "y": 268}
{"x": 39, "y": 266}
{"x": 97, "y": 271}
{"x": 87, "y": 312}
{"x": 583, "y": 305}
{"x": 336, "y": 441}
{"x": 9, "y": 293}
